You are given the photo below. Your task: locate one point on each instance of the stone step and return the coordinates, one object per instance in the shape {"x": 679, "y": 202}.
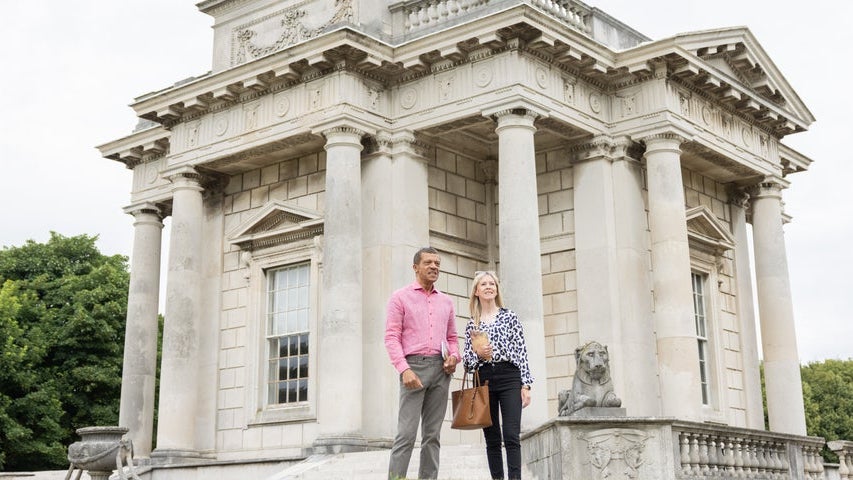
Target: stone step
{"x": 458, "y": 462}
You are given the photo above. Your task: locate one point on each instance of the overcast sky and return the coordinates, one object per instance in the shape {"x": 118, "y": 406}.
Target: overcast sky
{"x": 70, "y": 68}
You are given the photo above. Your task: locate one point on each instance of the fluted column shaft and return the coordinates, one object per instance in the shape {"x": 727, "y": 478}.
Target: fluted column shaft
{"x": 340, "y": 340}
{"x": 520, "y": 249}
{"x": 677, "y": 348}
{"x": 778, "y": 334}
{"x": 179, "y": 366}
{"x": 139, "y": 368}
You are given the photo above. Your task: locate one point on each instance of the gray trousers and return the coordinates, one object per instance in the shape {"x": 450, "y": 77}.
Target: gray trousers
{"x": 428, "y": 404}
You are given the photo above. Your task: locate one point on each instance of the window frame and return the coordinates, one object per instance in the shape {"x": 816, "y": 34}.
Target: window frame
{"x": 258, "y": 410}
{"x": 705, "y": 266}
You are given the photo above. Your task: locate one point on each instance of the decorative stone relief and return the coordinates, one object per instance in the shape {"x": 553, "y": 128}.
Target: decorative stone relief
{"x": 283, "y": 28}
{"x": 616, "y": 453}
{"x": 445, "y": 87}
{"x": 684, "y": 103}
{"x": 408, "y": 98}
{"x": 708, "y": 115}
{"x": 542, "y": 77}
{"x": 192, "y": 134}
{"x": 250, "y": 112}
{"x": 595, "y": 102}
{"x": 220, "y": 124}
{"x": 483, "y": 75}
{"x": 316, "y": 98}
{"x": 569, "y": 90}
{"x": 281, "y": 104}
{"x": 372, "y": 98}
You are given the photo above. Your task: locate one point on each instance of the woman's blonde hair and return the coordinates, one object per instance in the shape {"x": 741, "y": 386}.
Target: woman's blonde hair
{"x": 474, "y": 301}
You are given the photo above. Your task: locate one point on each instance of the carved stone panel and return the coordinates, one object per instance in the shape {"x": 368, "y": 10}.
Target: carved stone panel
{"x": 283, "y": 28}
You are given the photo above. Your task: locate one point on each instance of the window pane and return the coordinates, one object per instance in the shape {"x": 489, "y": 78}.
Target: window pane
{"x": 288, "y": 322}
{"x": 303, "y": 367}
{"x": 303, "y": 344}
{"x": 303, "y": 390}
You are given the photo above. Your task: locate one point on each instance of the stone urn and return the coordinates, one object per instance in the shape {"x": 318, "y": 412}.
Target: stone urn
{"x": 97, "y": 450}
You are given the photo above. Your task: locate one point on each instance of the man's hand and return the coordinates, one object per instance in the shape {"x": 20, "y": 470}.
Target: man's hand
{"x": 411, "y": 380}
{"x": 450, "y": 364}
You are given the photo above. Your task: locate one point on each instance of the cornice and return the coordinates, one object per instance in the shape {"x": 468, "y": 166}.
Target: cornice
{"x": 133, "y": 149}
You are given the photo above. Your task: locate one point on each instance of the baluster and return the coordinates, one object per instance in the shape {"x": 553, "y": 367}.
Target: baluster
{"x": 730, "y": 457}
{"x": 843, "y": 468}
{"x": 432, "y": 13}
{"x": 685, "y": 452}
{"x": 703, "y": 454}
{"x": 452, "y": 8}
{"x": 738, "y": 458}
{"x": 762, "y": 456}
{"x": 423, "y": 15}
{"x": 412, "y": 19}
{"x": 694, "y": 454}
{"x": 441, "y": 10}
{"x": 713, "y": 455}
{"x": 808, "y": 461}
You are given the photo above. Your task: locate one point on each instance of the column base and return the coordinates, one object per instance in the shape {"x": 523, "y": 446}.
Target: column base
{"x": 168, "y": 456}
{"x": 340, "y": 443}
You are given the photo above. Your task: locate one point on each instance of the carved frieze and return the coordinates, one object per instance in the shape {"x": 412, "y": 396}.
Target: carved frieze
{"x": 718, "y": 120}
{"x": 286, "y": 27}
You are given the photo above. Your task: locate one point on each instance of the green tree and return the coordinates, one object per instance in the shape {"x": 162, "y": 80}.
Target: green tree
{"x": 62, "y": 310}
{"x": 828, "y": 398}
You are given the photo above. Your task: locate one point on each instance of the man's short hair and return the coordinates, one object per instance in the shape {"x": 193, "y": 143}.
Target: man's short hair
{"x": 422, "y": 251}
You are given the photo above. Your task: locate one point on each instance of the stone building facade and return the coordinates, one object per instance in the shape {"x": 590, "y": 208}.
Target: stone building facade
{"x": 609, "y": 178}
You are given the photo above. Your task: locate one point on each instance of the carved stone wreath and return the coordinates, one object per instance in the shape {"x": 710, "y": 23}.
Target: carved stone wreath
{"x": 246, "y": 44}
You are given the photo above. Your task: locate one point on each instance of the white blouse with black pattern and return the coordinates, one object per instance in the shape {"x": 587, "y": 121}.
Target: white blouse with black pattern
{"x": 507, "y": 338}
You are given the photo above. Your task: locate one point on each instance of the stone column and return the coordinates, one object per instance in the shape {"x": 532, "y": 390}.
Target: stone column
{"x": 746, "y": 314}
{"x": 395, "y": 206}
{"x": 340, "y": 333}
{"x": 611, "y": 248}
{"x": 139, "y": 368}
{"x": 778, "y": 337}
{"x": 677, "y": 348}
{"x": 179, "y": 365}
{"x": 520, "y": 249}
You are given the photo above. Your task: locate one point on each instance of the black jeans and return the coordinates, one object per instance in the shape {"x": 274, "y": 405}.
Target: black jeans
{"x": 505, "y": 403}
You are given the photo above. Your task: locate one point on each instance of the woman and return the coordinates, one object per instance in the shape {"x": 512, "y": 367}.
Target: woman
{"x": 502, "y": 360}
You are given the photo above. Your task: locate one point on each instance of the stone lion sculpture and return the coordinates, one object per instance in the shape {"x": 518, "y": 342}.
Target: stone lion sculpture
{"x": 592, "y": 386}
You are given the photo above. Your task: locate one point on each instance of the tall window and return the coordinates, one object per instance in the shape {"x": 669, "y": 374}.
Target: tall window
{"x": 701, "y": 320}
{"x": 287, "y": 334}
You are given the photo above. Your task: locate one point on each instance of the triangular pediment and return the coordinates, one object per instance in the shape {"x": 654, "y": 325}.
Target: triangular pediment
{"x": 276, "y": 223}
{"x": 706, "y": 231}
{"x": 730, "y": 65}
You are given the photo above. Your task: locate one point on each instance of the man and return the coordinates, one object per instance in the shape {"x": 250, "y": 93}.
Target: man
{"x": 420, "y": 336}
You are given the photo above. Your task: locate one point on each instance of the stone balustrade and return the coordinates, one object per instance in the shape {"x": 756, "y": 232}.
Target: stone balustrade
{"x": 707, "y": 451}
{"x": 669, "y": 449}
{"x": 421, "y": 15}
{"x": 844, "y": 450}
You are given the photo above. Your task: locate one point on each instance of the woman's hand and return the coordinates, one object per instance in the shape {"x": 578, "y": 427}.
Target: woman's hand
{"x": 525, "y": 397}
{"x": 485, "y": 351}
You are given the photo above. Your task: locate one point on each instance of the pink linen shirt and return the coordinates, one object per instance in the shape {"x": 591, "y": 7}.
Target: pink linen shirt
{"x": 417, "y": 323}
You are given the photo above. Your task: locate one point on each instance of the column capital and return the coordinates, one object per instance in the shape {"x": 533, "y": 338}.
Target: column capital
{"x": 142, "y": 208}
{"x": 514, "y": 104}
{"x": 770, "y": 187}
{"x": 739, "y": 197}
{"x": 604, "y": 147}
